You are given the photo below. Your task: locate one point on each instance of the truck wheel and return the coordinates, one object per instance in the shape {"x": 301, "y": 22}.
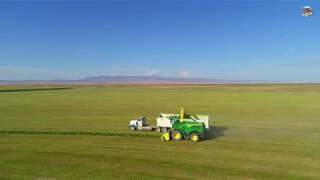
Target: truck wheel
{"x": 158, "y": 129}
{"x": 194, "y": 137}
{"x": 164, "y": 129}
{"x": 132, "y": 128}
{"x": 176, "y": 135}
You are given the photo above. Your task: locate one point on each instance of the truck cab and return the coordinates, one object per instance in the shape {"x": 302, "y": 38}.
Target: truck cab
{"x": 137, "y": 123}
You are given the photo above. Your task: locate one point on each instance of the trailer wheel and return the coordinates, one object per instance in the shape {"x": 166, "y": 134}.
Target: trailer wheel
{"x": 194, "y": 137}
{"x": 176, "y": 135}
{"x": 132, "y": 128}
{"x": 164, "y": 129}
{"x": 158, "y": 129}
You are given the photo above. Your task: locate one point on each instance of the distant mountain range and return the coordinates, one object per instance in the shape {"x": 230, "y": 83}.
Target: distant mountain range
{"x": 133, "y": 80}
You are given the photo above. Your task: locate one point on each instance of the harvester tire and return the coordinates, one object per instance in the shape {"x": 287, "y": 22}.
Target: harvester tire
{"x": 176, "y": 135}
{"x": 165, "y": 136}
{"x": 194, "y": 137}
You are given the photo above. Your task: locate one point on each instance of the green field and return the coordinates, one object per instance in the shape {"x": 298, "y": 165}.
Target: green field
{"x": 259, "y": 132}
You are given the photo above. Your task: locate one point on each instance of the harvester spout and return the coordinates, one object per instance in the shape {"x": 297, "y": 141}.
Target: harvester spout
{"x": 182, "y": 115}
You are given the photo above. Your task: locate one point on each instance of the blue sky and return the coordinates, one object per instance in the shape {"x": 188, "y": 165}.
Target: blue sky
{"x": 253, "y": 40}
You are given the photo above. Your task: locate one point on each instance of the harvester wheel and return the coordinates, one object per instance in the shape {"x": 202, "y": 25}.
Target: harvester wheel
{"x": 158, "y": 129}
{"x": 176, "y": 135}
{"x": 165, "y": 136}
{"x": 132, "y": 128}
{"x": 194, "y": 137}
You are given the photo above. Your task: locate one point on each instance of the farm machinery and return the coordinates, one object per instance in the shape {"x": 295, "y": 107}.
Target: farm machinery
{"x": 175, "y": 126}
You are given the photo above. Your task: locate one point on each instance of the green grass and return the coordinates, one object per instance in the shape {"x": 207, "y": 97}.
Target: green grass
{"x": 261, "y": 132}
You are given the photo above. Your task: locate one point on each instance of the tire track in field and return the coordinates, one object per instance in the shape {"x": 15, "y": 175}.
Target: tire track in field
{"x": 85, "y": 133}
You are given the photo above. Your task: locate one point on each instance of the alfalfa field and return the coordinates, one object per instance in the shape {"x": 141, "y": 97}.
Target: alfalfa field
{"x": 82, "y": 132}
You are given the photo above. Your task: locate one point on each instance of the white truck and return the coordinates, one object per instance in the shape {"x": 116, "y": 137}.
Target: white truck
{"x": 140, "y": 124}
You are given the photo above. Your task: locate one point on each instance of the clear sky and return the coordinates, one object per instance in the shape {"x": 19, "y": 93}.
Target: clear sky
{"x": 239, "y": 39}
